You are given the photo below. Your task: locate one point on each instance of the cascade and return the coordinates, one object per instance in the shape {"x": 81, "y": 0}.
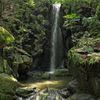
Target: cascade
{"x": 56, "y": 58}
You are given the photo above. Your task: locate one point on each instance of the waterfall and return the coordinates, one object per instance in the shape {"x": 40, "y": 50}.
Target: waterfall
{"x": 56, "y": 40}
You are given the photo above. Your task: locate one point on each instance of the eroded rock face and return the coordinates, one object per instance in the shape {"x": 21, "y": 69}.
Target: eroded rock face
{"x": 8, "y": 85}
{"x": 73, "y": 86}
{"x": 19, "y": 61}
{"x": 84, "y": 63}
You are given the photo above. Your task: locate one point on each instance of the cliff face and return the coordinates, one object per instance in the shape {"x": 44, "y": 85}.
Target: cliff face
{"x": 85, "y": 65}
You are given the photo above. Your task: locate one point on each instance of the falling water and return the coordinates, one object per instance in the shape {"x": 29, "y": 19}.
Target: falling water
{"x": 56, "y": 40}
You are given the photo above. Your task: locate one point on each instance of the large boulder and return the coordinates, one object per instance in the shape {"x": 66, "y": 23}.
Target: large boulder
{"x": 6, "y": 38}
{"x": 8, "y": 85}
{"x": 85, "y": 65}
{"x": 4, "y": 66}
{"x": 18, "y": 59}
{"x": 25, "y": 92}
{"x": 81, "y": 97}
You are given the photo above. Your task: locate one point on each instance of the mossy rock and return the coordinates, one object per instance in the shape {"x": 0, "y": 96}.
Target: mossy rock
{"x": 8, "y": 85}
{"x": 82, "y": 62}
{"x": 61, "y": 72}
{"x": 4, "y": 66}
{"x": 25, "y": 91}
{"x": 20, "y": 60}
{"x": 95, "y": 84}
{"x": 21, "y": 56}
{"x": 87, "y": 51}
{"x": 6, "y": 97}
{"x": 46, "y": 75}
{"x": 57, "y": 73}
{"x": 81, "y": 97}
{"x": 1, "y": 65}
{"x": 5, "y": 37}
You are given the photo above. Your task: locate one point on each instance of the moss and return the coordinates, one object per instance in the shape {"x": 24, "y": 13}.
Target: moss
{"x": 85, "y": 52}
{"x": 77, "y": 58}
{"x": 5, "y": 97}
{"x": 5, "y": 36}
{"x": 80, "y": 96}
{"x": 89, "y": 42}
{"x": 4, "y": 66}
{"x": 84, "y": 61}
{"x": 8, "y": 85}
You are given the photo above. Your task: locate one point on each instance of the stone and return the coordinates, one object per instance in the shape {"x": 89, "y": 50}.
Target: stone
{"x": 73, "y": 86}
{"x": 46, "y": 75}
{"x": 25, "y": 92}
{"x": 50, "y": 94}
{"x": 82, "y": 61}
{"x": 8, "y": 85}
{"x": 95, "y": 84}
{"x": 6, "y": 97}
{"x": 57, "y": 73}
{"x": 61, "y": 72}
{"x": 4, "y": 66}
{"x": 81, "y": 97}
{"x": 65, "y": 93}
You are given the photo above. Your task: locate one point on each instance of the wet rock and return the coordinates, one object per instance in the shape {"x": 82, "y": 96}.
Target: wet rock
{"x": 50, "y": 94}
{"x": 48, "y": 75}
{"x": 95, "y": 84}
{"x": 61, "y": 72}
{"x": 65, "y": 93}
{"x": 73, "y": 86}
{"x": 82, "y": 61}
{"x": 8, "y": 85}
{"x": 25, "y": 92}
{"x": 4, "y": 96}
{"x": 81, "y": 97}
{"x": 57, "y": 73}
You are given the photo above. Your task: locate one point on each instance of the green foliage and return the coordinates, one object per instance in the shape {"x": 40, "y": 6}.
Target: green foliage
{"x": 98, "y": 12}
{"x": 30, "y": 3}
{"x": 80, "y": 17}
{"x": 85, "y": 45}
{"x": 87, "y": 42}
{"x": 93, "y": 26}
{"x": 72, "y": 16}
{"x": 29, "y": 23}
{"x": 75, "y": 57}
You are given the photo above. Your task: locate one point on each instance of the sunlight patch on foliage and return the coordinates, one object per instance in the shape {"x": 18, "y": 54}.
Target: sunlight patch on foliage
{"x": 71, "y": 16}
{"x": 5, "y": 36}
{"x": 31, "y": 3}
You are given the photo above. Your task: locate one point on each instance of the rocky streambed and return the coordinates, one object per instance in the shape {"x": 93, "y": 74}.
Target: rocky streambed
{"x": 45, "y": 94}
{"x": 46, "y": 88}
